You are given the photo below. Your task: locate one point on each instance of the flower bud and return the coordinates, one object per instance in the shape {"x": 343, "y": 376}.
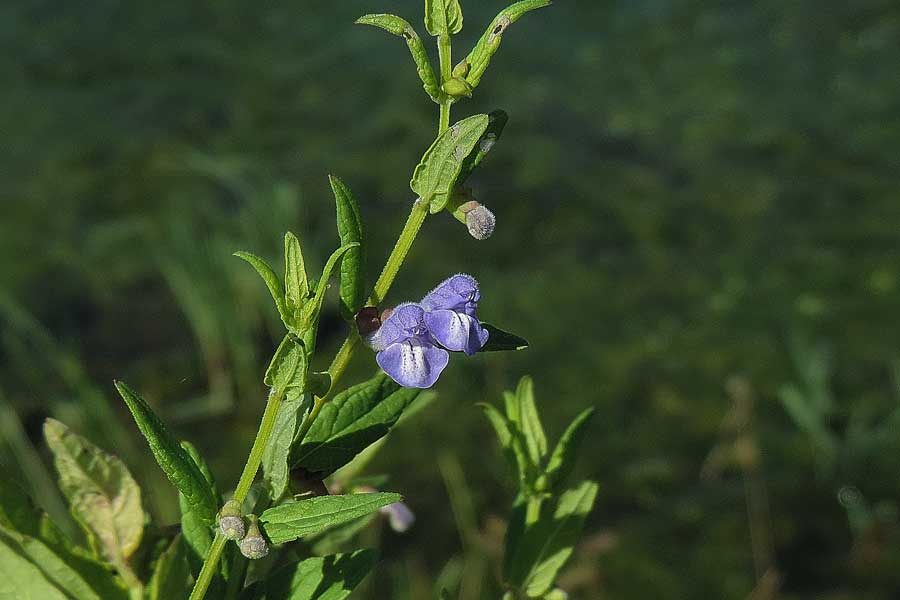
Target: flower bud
{"x": 254, "y": 545}
{"x": 231, "y": 523}
{"x": 457, "y": 87}
{"x": 367, "y": 321}
{"x": 480, "y": 221}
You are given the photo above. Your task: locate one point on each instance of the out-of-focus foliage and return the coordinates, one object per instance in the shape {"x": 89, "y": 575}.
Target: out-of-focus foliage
{"x": 705, "y": 181}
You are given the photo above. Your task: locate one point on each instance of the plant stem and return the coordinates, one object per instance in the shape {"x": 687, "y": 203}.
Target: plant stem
{"x": 444, "y": 54}
{"x": 240, "y": 493}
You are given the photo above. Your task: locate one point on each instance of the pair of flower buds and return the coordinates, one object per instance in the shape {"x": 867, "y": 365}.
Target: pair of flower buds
{"x": 413, "y": 340}
{"x": 233, "y": 527}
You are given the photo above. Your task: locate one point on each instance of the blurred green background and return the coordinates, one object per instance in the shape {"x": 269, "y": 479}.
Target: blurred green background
{"x": 698, "y": 222}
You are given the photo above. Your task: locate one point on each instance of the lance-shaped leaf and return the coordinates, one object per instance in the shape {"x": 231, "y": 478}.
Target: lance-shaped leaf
{"x": 171, "y": 577}
{"x": 562, "y": 460}
{"x": 294, "y": 520}
{"x": 321, "y": 578}
{"x": 546, "y": 545}
{"x": 512, "y": 443}
{"x": 172, "y": 458}
{"x": 20, "y": 578}
{"x": 529, "y": 421}
{"x": 195, "y": 527}
{"x": 353, "y": 264}
{"x": 354, "y": 419}
{"x": 296, "y": 286}
{"x": 311, "y": 310}
{"x": 276, "y": 289}
{"x": 287, "y": 370}
{"x": 400, "y": 27}
{"x": 497, "y": 120}
{"x": 481, "y": 54}
{"x": 443, "y": 17}
{"x": 276, "y": 454}
{"x": 438, "y": 171}
{"x": 502, "y": 341}
{"x": 103, "y": 496}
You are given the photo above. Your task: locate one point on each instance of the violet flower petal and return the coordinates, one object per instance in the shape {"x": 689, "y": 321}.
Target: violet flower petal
{"x": 413, "y": 362}
{"x": 456, "y": 331}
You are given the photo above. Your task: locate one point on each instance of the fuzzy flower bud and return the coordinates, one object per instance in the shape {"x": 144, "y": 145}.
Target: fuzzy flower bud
{"x": 254, "y": 545}
{"x": 231, "y": 523}
{"x": 480, "y": 221}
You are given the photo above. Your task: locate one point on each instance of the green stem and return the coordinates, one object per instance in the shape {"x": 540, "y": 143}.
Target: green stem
{"x": 444, "y": 54}
{"x": 240, "y": 493}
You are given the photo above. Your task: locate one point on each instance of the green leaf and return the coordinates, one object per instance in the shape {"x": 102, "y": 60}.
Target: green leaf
{"x": 397, "y": 26}
{"x": 296, "y": 287}
{"x": 171, "y": 577}
{"x": 353, "y": 264}
{"x": 276, "y": 289}
{"x": 437, "y": 173}
{"x": 311, "y": 310}
{"x": 502, "y": 341}
{"x": 20, "y": 578}
{"x": 511, "y": 441}
{"x": 529, "y": 421}
{"x": 294, "y": 520}
{"x": 335, "y": 538}
{"x": 103, "y": 496}
{"x": 276, "y": 454}
{"x": 562, "y": 460}
{"x": 195, "y": 528}
{"x": 547, "y": 544}
{"x": 481, "y": 54}
{"x": 287, "y": 370}
{"x": 171, "y": 457}
{"x": 443, "y": 17}
{"x": 497, "y": 120}
{"x": 354, "y": 419}
{"x": 321, "y": 578}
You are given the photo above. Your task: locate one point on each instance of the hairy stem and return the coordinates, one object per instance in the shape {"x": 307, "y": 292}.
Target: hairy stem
{"x": 240, "y": 493}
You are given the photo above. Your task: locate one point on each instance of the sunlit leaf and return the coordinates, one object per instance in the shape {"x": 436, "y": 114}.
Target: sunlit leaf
{"x": 437, "y": 172}
{"x": 20, "y": 578}
{"x": 171, "y": 577}
{"x": 171, "y": 457}
{"x": 402, "y": 28}
{"x": 321, "y": 578}
{"x": 353, "y": 264}
{"x": 497, "y": 120}
{"x": 276, "y": 454}
{"x": 195, "y": 528}
{"x": 287, "y": 370}
{"x": 562, "y": 460}
{"x": 294, "y": 520}
{"x": 443, "y": 17}
{"x": 276, "y": 289}
{"x": 296, "y": 286}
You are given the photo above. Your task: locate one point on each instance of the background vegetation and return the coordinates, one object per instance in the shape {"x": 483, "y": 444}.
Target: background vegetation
{"x": 698, "y": 215}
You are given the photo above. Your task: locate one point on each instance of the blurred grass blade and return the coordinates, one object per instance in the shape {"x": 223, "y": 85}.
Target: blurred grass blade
{"x": 562, "y": 460}
{"x": 294, "y": 520}
{"x": 400, "y": 27}
{"x": 171, "y": 577}
{"x": 354, "y": 419}
{"x": 353, "y": 264}
{"x": 480, "y": 56}
{"x": 296, "y": 286}
{"x": 276, "y": 454}
{"x": 443, "y": 17}
{"x": 437, "y": 172}
{"x": 103, "y": 496}
{"x": 172, "y": 458}
{"x": 331, "y": 577}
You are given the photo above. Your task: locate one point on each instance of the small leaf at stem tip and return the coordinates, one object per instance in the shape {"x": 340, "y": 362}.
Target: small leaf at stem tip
{"x": 353, "y": 264}
{"x": 296, "y": 286}
{"x": 443, "y": 17}
{"x": 502, "y": 341}
{"x": 397, "y": 26}
{"x": 287, "y": 370}
{"x": 481, "y": 54}
{"x": 562, "y": 460}
{"x": 309, "y": 316}
{"x": 276, "y": 289}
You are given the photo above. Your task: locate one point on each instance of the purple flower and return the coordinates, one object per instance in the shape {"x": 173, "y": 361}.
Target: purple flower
{"x": 450, "y": 315}
{"x": 406, "y": 351}
{"x": 400, "y": 517}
